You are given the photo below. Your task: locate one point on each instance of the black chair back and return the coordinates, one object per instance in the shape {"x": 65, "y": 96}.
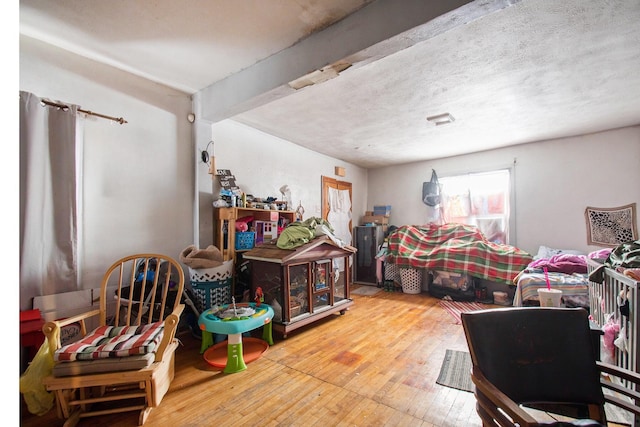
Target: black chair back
{"x": 540, "y": 357}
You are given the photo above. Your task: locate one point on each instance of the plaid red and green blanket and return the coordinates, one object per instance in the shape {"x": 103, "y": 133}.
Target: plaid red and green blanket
{"x": 455, "y": 248}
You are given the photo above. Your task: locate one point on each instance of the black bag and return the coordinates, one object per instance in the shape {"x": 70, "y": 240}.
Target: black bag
{"x": 431, "y": 191}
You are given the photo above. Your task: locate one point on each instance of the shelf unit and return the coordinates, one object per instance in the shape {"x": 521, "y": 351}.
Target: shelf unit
{"x": 224, "y": 225}
{"x": 303, "y": 284}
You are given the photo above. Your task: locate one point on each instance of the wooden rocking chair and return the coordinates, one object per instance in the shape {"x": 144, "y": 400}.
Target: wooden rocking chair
{"x": 127, "y": 362}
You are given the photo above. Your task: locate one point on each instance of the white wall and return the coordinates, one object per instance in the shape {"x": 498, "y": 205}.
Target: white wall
{"x": 139, "y": 176}
{"x": 554, "y": 182}
{"x": 262, "y": 164}
{"x": 145, "y": 189}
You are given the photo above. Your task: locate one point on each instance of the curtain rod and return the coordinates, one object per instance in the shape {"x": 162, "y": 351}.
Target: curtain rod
{"x": 91, "y": 113}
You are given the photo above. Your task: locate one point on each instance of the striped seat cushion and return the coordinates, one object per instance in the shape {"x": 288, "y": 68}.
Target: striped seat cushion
{"x": 97, "y": 366}
{"x": 113, "y": 341}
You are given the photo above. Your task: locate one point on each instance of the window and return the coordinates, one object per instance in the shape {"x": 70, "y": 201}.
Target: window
{"x": 479, "y": 199}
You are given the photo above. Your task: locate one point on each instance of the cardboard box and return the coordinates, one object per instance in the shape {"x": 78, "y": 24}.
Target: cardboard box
{"x": 375, "y": 219}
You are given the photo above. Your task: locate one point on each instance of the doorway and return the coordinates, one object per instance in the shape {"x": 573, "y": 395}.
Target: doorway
{"x": 336, "y": 210}
{"x": 336, "y": 207}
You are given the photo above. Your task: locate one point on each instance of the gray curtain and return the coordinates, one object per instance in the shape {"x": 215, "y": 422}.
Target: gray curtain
{"x": 48, "y": 199}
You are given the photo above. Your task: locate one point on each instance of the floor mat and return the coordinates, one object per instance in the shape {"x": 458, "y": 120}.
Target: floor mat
{"x": 455, "y": 371}
{"x": 615, "y": 414}
{"x": 366, "y": 290}
{"x": 456, "y": 307}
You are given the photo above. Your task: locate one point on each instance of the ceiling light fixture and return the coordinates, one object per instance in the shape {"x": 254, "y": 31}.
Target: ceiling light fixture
{"x": 441, "y": 119}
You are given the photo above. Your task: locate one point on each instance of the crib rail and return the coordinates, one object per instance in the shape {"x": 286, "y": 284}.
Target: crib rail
{"x": 604, "y": 300}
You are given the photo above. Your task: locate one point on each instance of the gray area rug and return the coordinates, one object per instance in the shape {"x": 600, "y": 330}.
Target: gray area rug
{"x": 456, "y": 371}
{"x": 366, "y": 290}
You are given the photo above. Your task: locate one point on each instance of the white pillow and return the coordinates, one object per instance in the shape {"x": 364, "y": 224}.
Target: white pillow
{"x": 546, "y": 252}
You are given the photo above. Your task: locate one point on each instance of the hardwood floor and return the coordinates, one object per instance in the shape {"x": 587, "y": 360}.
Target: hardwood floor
{"x": 374, "y": 366}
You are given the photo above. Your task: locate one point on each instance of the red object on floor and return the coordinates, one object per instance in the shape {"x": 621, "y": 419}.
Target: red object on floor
{"x": 31, "y": 336}
{"x": 252, "y": 349}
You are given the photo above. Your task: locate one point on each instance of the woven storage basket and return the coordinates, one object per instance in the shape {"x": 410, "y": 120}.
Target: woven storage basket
{"x": 208, "y": 294}
{"x": 411, "y": 280}
{"x": 212, "y": 274}
{"x": 212, "y": 286}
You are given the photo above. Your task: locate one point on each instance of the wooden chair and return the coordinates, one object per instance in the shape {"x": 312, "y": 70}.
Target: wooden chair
{"x": 543, "y": 359}
{"x": 127, "y": 362}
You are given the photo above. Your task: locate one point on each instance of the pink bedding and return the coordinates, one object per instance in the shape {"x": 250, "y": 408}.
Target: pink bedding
{"x": 562, "y": 263}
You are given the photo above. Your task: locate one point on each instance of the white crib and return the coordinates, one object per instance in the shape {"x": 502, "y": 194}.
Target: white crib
{"x": 604, "y": 300}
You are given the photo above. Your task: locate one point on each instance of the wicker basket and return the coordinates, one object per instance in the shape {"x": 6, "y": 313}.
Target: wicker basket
{"x": 212, "y": 274}
{"x": 411, "y": 280}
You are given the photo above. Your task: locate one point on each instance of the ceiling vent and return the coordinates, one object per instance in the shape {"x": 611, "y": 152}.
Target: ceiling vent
{"x": 441, "y": 119}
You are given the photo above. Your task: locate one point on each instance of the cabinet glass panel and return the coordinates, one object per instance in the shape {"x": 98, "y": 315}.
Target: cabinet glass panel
{"x": 298, "y": 289}
{"x": 321, "y": 284}
{"x": 320, "y": 300}
{"x": 268, "y": 277}
{"x": 340, "y": 277}
{"x": 321, "y": 275}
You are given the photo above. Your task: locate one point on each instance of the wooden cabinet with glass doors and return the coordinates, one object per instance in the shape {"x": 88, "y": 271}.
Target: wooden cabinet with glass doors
{"x": 303, "y": 284}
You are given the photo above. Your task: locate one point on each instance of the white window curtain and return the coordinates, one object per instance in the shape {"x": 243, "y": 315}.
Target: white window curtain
{"x": 479, "y": 199}
{"x": 49, "y": 203}
{"x": 339, "y": 217}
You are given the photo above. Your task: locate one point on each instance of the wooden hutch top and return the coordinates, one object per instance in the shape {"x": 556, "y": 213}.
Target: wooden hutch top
{"x": 321, "y": 247}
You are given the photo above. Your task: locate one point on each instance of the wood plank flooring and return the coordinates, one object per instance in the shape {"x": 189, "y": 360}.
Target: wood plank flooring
{"x": 374, "y": 366}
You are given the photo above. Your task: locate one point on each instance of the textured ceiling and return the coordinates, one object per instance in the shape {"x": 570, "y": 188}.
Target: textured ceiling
{"x": 532, "y": 70}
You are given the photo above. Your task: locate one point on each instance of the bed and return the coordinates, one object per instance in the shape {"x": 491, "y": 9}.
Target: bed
{"x": 574, "y": 287}
{"x": 566, "y": 270}
{"x": 605, "y": 282}
{"x": 455, "y": 248}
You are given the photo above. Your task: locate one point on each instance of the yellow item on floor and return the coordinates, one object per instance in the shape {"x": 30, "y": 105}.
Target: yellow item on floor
{"x": 39, "y": 400}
